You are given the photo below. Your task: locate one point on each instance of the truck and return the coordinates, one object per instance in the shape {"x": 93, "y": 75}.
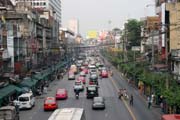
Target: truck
{"x": 9, "y": 113}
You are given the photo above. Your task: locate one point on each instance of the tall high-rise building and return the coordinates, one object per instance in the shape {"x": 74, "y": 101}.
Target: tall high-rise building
{"x": 53, "y": 5}
{"x": 73, "y": 25}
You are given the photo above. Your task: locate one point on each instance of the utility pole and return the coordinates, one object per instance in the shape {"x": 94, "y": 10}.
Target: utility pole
{"x": 152, "y": 58}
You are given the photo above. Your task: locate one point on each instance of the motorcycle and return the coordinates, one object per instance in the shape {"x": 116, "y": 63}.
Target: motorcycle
{"x": 77, "y": 96}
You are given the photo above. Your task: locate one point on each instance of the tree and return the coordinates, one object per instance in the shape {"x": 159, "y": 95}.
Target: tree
{"x": 133, "y": 32}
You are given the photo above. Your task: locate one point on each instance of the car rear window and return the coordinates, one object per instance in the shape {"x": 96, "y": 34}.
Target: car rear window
{"x": 49, "y": 101}
{"x": 23, "y": 99}
{"x": 98, "y": 100}
{"x": 77, "y": 83}
{"x": 60, "y": 91}
{"x": 91, "y": 88}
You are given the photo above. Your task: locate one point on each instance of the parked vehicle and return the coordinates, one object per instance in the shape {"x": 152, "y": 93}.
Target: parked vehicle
{"x": 26, "y": 101}
{"x": 98, "y": 103}
{"x": 9, "y": 113}
{"x": 50, "y": 103}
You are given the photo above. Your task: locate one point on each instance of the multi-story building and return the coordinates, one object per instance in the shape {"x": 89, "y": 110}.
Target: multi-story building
{"x": 168, "y": 11}
{"x": 73, "y": 25}
{"x": 53, "y": 5}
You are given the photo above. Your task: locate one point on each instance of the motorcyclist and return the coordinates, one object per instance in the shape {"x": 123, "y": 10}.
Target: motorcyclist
{"x": 120, "y": 93}
{"x": 76, "y": 91}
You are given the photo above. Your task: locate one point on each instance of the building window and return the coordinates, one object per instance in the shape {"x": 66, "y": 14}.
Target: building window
{"x": 44, "y": 3}
{"x": 37, "y": 3}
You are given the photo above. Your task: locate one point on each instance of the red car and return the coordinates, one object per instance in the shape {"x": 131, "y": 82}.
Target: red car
{"x": 85, "y": 70}
{"x": 50, "y": 103}
{"x": 83, "y": 79}
{"x": 61, "y": 94}
{"x": 104, "y": 74}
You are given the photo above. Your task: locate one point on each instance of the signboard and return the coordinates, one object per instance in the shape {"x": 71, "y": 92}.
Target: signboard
{"x": 92, "y": 34}
{"x": 152, "y": 23}
{"x": 136, "y": 48}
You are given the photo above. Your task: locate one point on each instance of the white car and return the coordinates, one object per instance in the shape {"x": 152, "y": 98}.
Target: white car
{"x": 26, "y": 101}
{"x": 78, "y": 85}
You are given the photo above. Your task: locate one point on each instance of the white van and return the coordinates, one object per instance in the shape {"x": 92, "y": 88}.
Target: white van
{"x": 26, "y": 100}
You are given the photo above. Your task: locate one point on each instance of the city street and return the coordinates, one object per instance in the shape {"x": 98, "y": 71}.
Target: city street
{"x": 115, "y": 108}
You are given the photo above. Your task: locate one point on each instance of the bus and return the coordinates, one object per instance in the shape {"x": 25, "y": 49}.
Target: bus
{"x": 68, "y": 114}
{"x": 170, "y": 117}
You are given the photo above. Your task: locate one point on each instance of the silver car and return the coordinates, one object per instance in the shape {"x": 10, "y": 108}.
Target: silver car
{"x": 98, "y": 103}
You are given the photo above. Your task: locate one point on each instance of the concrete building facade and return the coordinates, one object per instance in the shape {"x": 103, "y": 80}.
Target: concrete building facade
{"x": 53, "y": 5}
{"x": 73, "y": 25}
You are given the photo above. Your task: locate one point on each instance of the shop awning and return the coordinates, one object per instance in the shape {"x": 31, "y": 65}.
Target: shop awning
{"x": 28, "y": 82}
{"x": 42, "y": 75}
{"x": 8, "y": 90}
{"x": 60, "y": 65}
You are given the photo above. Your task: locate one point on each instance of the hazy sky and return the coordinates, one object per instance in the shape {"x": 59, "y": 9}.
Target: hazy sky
{"x": 95, "y": 14}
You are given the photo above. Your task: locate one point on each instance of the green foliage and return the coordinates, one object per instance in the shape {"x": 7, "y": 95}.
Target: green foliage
{"x": 157, "y": 81}
{"x": 133, "y": 32}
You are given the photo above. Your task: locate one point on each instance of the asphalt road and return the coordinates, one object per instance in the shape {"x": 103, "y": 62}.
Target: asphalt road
{"x": 115, "y": 108}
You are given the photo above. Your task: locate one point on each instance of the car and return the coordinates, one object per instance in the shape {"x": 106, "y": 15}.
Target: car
{"x": 61, "y": 94}
{"x": 78, "y": 85}
{"x": 81, "y": 68}
{"x": 71, "y": 76}
{"x": 26, "y": 101}
{"x": 101, "y": 66}
{"x": 50, "y": 103}
{"x": 82, "y": 73}
{"x": 91, "y": 91}
{"x": 85, "y": 70}
{"x": 104, "y": 74}
{"x": 83, "y": 79}
{"x": 93, "y": 71}
{"x": 93, "y": 79}
{"x": 98, "y": 103}
{"x": 85, "y": 63}
{"x": 91, "y": 66}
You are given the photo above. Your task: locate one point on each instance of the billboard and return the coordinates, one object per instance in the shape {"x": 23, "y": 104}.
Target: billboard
{"x": 103, "y": 35}
{"x": 152, "y": 22}
{"x": 92, "y": 34}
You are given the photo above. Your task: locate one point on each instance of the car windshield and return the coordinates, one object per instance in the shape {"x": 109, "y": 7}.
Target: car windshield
{"x": 93, "y": 70}
{"x": 98, "y": 99}
{"x": 101, "y": 65}
{"x": 23, "y": 99}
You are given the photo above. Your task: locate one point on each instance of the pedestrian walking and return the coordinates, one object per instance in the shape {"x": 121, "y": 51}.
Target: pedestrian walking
{"x": 149, "y": 102}
{"x": 131, "y": 100}
{"x": 45, "y": 90}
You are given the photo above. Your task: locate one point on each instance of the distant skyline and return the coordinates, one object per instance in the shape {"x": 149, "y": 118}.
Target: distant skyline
{"x": 104, "y": 14}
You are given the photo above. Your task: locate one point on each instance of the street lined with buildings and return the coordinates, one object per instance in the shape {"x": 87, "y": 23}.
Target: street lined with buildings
{"x": 36, "y": 51}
